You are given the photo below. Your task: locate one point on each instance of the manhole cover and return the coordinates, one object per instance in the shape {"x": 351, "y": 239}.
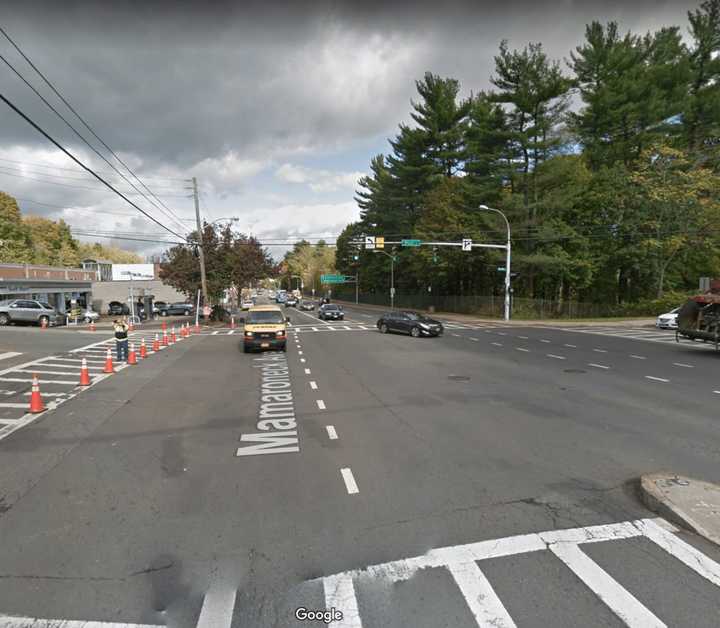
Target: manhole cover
{"x": 574, "y": 371}
{"x": 459, "y": 378}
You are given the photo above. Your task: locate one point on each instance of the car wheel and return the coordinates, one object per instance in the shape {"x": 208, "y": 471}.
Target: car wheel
{"x": 44, "y": 321}
{"x": 383, "y": 328}
{"x": 163, "y": 313}
{"x": 4, "y": 319}
{"x": 187, "y": 312}
{"x": 415, "y": 332}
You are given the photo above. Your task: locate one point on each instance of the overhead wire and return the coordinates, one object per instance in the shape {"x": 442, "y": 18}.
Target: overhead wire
{"x": 165, "y": 211}
{"x": 88, "y": 169}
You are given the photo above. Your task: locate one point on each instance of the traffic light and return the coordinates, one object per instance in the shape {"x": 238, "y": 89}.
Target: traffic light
{"x": 356, "y": 257}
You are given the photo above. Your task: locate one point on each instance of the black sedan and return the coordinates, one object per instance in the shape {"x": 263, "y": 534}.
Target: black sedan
{"x": 177, "y": 309}
{"x": 412, "y": 323}
{"x": 308, "y": 306}
{"x": 330, "y": 312}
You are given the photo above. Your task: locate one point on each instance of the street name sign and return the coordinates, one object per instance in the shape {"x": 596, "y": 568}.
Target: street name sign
{"x": 332, "y": 278}
{"x": 411, "y": 242}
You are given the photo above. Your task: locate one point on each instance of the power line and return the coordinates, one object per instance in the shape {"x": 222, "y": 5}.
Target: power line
{"x": 77, "y": 161}
{"x": 87, "y": 126}
{"x": 112, "y": 237}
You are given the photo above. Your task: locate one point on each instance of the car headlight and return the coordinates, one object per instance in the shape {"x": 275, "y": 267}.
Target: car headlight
{"x": 280, "y": 333}
{"x": 249, "y": 334}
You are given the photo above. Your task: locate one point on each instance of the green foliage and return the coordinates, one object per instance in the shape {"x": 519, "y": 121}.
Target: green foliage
{"x": 614, "y": 203}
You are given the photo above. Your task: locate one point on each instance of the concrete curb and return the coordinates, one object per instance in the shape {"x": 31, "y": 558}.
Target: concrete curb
{"x": 692, "y": 504}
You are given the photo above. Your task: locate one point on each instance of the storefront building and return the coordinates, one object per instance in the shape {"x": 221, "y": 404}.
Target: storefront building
{"x": 60, "y": 287}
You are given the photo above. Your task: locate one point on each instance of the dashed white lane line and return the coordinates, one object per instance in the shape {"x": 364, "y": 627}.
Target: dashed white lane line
{"x": 350, "y": 483}
{"x": 475, "y": 339}
{"x": 302, "y": 360}
{"x": 523, "y": 337}
{"x": 9, "y": 354}
{"x": 570, "y": 346}
{"x": 717, "y": 392}
{"x": 598, "y": 366}
{"x": 320, "y": 404}
{"x": 332, "y": 434}
{"x": 522, "y": 349}
{"x": 307, "y": 371}
{"x": 687, "y": 366}
{"x": 557, "y": 357}
{"x": 544, "y": 340}
{"x": 497, "y": 344}
{"x": 218, "y": 607}
{"x": 638, "y": 357}
{"x": 456, "y": 335}
{"x": 657, "y": 379}
{"x": 600, "y": 350}
{"x": 313, "y": 385}
{"x": 300, "y": 352}
{"x": 501, "y": 333}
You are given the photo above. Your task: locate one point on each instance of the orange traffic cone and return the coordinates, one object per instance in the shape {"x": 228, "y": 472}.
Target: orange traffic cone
{"x": 84, "y": 374}
{"x": 36, "y": 402}
{"x": 165, "y": 339}
{"x": 156, "y": 344}
{"x": 92, "y": 325}
{"x": 164, "y": 326}
{"x": 132, "y": 358}
{"x": 108, "y": 363}
{"x": 143, "y": 349}
{"x": 173, "y": 337}
{"x": 186, "y": 330}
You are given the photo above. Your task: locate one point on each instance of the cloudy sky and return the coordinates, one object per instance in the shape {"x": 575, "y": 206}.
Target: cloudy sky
{"x": 276, "y": 108}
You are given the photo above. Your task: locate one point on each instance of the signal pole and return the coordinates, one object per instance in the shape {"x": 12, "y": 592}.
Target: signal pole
{"x": 203, "y": 278}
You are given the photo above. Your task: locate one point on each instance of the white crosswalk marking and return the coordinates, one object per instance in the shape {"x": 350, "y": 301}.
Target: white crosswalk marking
{"x": 639, "y": 333}
{"x": 465, "y": 564}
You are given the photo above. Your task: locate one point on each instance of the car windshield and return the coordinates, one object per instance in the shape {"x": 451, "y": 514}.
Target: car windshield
{"x": 265, "y": 317}
{"x": 413, "y": 316}
{"x": 47, "y": 306}
{"x": 330, "y": 307}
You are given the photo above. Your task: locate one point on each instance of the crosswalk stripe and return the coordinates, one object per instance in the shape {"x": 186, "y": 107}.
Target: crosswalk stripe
{"x": 479, "y": 595}
{"x": 619, "y": 599}
{"x": 340, "y": 594}
{"x": 9, "y": 354}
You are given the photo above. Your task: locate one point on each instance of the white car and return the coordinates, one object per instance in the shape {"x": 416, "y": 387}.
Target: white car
{"x": 669, "y": 320}
{"x": 89, "y": 316}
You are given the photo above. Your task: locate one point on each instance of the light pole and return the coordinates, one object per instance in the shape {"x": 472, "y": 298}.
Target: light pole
{"x": 392, "y": 275}
{"x": 507, "y": 259}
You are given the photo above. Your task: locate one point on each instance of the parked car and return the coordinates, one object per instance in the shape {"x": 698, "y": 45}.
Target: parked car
{"x": 159, "y": 305}
{"x": 330, "y": 311}
{"x": 308, "y": 306}
{"x": 89, "y": 315}
{"x": 177, "y": 309}
{"x": 116, "y": 308}
{"x": 412, "y": 323}
{"x": 291, "y": 301}
{"x": 27, "y": 311}
{"x": 668, "y": 320}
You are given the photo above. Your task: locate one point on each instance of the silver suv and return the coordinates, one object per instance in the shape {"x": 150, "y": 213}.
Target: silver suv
{"x": 27, "y": 311}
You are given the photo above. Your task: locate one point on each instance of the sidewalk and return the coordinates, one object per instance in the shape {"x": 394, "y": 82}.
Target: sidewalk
{"x": 548, "y": 322}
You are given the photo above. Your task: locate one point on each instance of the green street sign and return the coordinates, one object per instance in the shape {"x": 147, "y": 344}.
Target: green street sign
{"x": 501, "y": 269}
{"x": 332, "y": 278}
{"x": 411, "y": 242}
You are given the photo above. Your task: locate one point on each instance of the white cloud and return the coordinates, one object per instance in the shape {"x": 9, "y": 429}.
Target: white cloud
{"x": 318, "y": 180}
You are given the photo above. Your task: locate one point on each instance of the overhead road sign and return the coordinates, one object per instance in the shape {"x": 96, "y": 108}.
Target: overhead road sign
{"x": 467, "y": 244}
{"x": 411, "y": 242}
{"x": 379, "y": 242}
{"x": 335, "y": 278}
{"x": 369, "y": 242}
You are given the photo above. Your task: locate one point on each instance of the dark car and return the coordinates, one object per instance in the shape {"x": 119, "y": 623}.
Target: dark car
{"x": 331, "y": 312}
{"x": 308, "y": 306}
{"x": 412, "y": 323}
{"x": 177, "y": 309}
{"x": 291, "y": 301}
{"x": 115, "y": 308}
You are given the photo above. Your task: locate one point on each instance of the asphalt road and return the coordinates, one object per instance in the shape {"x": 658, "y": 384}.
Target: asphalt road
{"x": 486, "y": 477}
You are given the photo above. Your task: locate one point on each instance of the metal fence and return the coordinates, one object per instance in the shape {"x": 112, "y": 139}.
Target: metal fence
{"x": 491, "y": 306}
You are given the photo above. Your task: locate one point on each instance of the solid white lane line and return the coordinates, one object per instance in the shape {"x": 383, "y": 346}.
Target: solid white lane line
{"x": 600, "y": 350}
{"x": 350, "y": 483}
{"x": 544, "y": 340}
{"x": 522, "y": 349}
{"x": 657, "y": 379}
{"x": 638, "y": 357}
{"x": 332, "y": 434}
{"x": 313, "y": 385}
{"x": 9, "y": 354}
{"x": 557, "y": 357}
{"x": 571, "y": 346}
{"x": 307, "y": 371}
{"x": 217, "y": 608}
{"x": 687, "y": 366}
{"x": 497, "y": 344}
{"x": 598, "y": 366}
{"x": 320, "y": 404}
{"x": 479, "y": 595}
{"x": 619, "y": 599}
{"x": 340, "y": 594}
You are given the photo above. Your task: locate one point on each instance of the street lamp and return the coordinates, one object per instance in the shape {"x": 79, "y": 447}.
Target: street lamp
{"x": 507, "y": 259}
{"x": 392, "y": 276}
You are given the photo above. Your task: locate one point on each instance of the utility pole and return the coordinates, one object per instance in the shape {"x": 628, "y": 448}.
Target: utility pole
{"x": 203, "y": 278}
